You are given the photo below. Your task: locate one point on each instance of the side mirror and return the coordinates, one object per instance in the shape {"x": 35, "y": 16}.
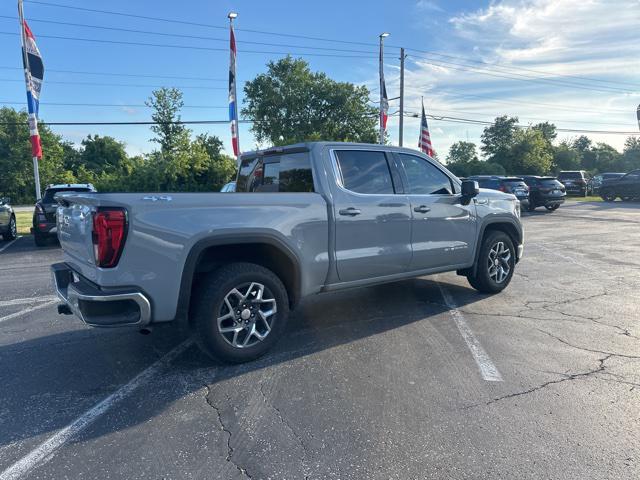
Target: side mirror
{"x": 470, "y": 189}
{"x": 5, "y": 200}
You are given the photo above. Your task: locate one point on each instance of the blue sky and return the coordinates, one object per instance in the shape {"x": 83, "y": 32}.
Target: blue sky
{"x": 571, "y": 62}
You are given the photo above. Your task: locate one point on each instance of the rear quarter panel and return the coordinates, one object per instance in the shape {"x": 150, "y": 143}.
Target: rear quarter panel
{"x": 161, "y": 234}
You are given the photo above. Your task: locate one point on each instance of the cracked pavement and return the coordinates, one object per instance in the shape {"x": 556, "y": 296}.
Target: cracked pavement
{"x": 373, "y": 383}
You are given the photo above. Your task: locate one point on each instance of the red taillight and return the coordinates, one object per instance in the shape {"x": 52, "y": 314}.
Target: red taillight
{"x": 109, "y": 233}
{"x": 502, "y": 188}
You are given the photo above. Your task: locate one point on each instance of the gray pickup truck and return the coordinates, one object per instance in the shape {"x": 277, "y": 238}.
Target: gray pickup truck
{"x": 306, "y": 219}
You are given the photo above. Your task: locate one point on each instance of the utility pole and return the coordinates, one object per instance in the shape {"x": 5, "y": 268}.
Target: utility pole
{"x": 401, "y": 121}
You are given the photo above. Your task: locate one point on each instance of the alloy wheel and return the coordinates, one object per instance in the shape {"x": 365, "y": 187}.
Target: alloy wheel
{"x": 246, "y": 315}
{"x": 12, "y": 228}
{"x": 498, "y": 262}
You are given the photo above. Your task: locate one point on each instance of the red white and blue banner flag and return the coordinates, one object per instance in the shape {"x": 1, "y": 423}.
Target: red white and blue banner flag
{"x": 33, "y": 74}
{"x": 384, "y": 100}
{"x": 233, "y": 101}
{"x": 425, "y": 138}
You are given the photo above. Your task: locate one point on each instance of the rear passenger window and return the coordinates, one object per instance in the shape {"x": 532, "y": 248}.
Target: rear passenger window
{"x": 424, "y": 178}
{"x": 276, "y": 173}
{"x": 365, "y": 172}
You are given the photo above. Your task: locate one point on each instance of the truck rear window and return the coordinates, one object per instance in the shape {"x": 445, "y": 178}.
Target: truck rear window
{"x": 288, "y": 172}
{"x": 50, "y": 193}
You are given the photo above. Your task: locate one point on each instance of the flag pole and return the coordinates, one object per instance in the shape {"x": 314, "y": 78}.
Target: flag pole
{"x": 233, "y": 93}
{"x": 382, "y": 87}
{"x": 33, "y": 122}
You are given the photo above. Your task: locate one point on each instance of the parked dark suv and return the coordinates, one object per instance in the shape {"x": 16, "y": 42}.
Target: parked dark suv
{"x": 513, "y": 185}
{"x": 44, "y": 214}
{"x": 8, "y": 228}
{"x": 545, "y": 192}
{"x": 575, "y": 182}
{"x": 626, "y": 187}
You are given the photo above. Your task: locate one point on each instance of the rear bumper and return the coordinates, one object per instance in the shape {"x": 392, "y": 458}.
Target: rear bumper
{"x": 97, "y": 307}
{"x": 579, "y": 189}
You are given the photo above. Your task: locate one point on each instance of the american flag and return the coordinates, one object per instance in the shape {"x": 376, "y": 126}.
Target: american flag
{"x": 233, "y": 105}
{"x": 424, "y": 143}
{"x": 33, "y": 74}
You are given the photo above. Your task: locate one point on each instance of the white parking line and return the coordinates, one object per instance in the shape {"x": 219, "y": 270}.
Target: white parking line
{"x": 26, "y": 310}
{"x": 46, "y": 450}
{"x": 487, "y": 368}
{"x": 4, "y": 247}
{"x": 22, "y": 301}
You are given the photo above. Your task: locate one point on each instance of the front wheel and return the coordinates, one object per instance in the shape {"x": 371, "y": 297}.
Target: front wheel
{"x": 495, "y": 264}
{"x": 240, "y": 312}
{"x": 551, "y": 208}
{"x": 608, "y": 197}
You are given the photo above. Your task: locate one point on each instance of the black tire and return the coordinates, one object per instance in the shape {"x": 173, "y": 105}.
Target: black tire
{"x": 40, "y": 240}
{"x": 551, "y": 208}
{"x": 12, "y": 231}
{"x": 531, "y": 207}
{"x": 608, "y": 197}
{"x": 209, "y": 303}
{"x": 482, "y": 280}
{"x": 627, "y": 199}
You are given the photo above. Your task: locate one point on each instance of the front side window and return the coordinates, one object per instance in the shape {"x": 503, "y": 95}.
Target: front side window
{"x": 365, "y": 172}
{"x": 424, "y": 178}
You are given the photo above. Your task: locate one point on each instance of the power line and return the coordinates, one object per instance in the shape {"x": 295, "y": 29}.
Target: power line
{"x": 199, "y": 87}
{"x": 510, "y": 67}
{"x": 112, "y": 74}
{"x": 190, "y": 47}
{"x": 197, "y": 24}
{"x": 195, "y": 37}
{"x": 142, "y": 105}
{"x": 517, "y": 76}
{"x": 408, "y": 114}
{"x": 314, "y": 38}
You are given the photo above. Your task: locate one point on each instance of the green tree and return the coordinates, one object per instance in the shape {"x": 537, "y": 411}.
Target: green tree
{"x": 529, "y": 154}
{"x": 100, "y": 154}
{"x": 463, "y": 161}
{"x": 498, "y": 139}
{"x": 548, "y": 131}
{"x": 631, "y": 153}
{"x": 290, "y": 104}
{"x": 607, "y": 158}
{"x": 166, "y": 104}
{"x": 16, "y": 166}
{"x": 565, "y": 157}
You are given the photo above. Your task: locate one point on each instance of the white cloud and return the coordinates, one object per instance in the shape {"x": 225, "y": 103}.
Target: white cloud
{"x": 429, "y": 6}
{"x": 549, "y": 41}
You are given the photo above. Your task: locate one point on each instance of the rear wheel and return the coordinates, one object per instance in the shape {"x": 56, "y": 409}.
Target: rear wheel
{"x": 495, "y": 264}
{"x": 12, "y": 231}
{"x": 240, "y": 311}
{"x": 551, "y": 208}
{"x": 608, "y": 197}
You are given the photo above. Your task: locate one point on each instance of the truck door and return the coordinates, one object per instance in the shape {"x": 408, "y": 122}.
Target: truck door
{"x": 444, "y": 230}
{"x": 373, "y": 223}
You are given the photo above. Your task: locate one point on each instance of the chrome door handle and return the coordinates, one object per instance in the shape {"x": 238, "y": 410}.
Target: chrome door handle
{"x": 422, "y": 209}
{"x": 350, "y": 212}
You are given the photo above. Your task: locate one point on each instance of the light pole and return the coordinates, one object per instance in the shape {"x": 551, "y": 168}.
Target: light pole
{"x": 384, "y": 102}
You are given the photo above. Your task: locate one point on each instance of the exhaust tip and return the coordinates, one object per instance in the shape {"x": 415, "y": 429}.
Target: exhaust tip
{"x": 146, "y": 331}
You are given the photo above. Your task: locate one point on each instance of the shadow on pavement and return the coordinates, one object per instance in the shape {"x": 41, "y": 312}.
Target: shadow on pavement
{"x": 53, "y": 379}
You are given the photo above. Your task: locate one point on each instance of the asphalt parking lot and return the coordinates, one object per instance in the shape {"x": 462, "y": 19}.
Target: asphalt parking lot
{"x": 418, "y": 379}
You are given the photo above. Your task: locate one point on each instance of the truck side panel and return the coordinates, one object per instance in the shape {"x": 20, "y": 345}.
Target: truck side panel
{"x": 163, "y": 229}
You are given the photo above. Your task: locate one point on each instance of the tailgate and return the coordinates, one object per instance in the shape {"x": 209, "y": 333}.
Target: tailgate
{"x": 74, "y": 221}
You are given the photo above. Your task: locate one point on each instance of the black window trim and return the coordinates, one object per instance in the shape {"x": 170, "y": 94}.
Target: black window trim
{"x": 337, "y": 171}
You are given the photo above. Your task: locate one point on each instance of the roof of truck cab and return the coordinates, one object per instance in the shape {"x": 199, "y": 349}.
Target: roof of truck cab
{"x": 308, "y": 146}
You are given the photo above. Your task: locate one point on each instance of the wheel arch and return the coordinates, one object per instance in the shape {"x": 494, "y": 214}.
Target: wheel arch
{"x": 266, "y": 250}
{"x": 508, "y": 226}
